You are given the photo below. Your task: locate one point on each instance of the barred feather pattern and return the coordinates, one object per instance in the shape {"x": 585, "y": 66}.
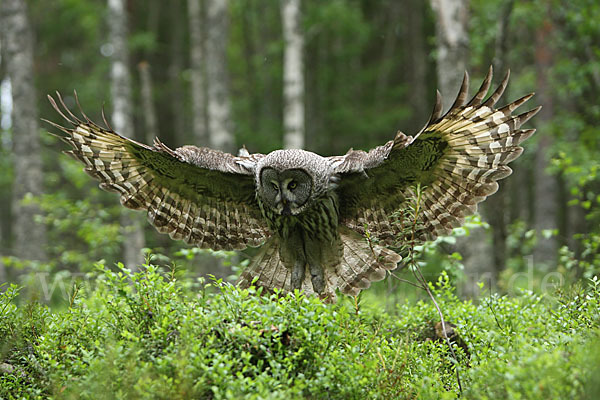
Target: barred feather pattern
{"x": 458, "y": 159}
{"x": 148, "y": 178}
{"x": 359, "y": 264}
{"x": 481, "y": 142}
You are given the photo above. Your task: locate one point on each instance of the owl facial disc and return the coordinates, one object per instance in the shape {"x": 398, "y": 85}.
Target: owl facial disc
{"x": 285, "y": 191}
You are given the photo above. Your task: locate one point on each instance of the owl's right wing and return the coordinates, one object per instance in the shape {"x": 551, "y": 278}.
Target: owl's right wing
{"x": 456, "y": 159}
{"x": 202, "y": 196}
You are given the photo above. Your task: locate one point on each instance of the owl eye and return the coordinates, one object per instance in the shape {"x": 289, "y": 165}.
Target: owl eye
{"x": 292, "y": 185}
{"x": 275, "y": 185}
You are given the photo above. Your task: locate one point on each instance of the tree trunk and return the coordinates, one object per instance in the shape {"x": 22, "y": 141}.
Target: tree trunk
{"x": 219, "y": 103}
{"x": 416, "y": 65}
{"x": 293, "y": 75}
{"x": 29, "y": 236}
{"x": 198, "y": 87}
{"x": 546, "y": 186}
{"x": 452, "y": 39}
{"x": 493, "y": 209}
{"x": 5, "y": 120}
{"x": 122, "y": 121}
{"x": 150, "y": 123}
{"x": 176, "y": 87}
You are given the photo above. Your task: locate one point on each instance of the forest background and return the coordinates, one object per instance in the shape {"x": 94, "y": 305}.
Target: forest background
{"x": 322, "y": 75}
{"x": 325, "y": 76}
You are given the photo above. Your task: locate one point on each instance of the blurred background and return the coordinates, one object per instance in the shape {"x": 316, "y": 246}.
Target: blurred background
{"x": 321, "y": 75}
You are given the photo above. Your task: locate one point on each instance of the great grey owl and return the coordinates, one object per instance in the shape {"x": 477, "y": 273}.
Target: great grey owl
{"x": 324, "y": 223}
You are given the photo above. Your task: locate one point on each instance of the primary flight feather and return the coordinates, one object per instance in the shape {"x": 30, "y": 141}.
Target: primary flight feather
{"x": 324, "y": 223}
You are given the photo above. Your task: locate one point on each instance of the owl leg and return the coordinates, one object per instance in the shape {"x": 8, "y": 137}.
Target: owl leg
{"x": 317, "y": 276}
{"x": 312, "y": 251}
{"x": 292, "y": 253}
{"x": 298, "y": 273}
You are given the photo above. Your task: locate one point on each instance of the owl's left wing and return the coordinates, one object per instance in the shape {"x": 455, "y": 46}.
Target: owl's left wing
{"x": 456, "y": 158}
{"x": 202, "y": 196}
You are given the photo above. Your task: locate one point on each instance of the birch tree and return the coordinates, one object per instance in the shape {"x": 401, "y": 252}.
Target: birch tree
{"x": 3, "y": 83}
{"x": 293, "y": 75}
{"x": 150, "y": 122}
{"x": 122, "y": 119}
{"x": 198, "y": 88}
{"x": 17, "y": 40}
{"x": 219, "y": 103}
{"x": 452, "y": 40}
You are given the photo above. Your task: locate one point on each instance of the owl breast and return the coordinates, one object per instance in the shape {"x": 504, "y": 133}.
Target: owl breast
{"x": 319, "y": 221}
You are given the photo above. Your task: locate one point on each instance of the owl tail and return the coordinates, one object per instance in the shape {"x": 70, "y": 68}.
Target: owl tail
{"x": 268, "y": 271}
{"x": 359, "y": 263}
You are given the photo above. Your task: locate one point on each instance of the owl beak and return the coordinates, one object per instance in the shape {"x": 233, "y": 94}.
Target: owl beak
{"x": 286, "y": 208}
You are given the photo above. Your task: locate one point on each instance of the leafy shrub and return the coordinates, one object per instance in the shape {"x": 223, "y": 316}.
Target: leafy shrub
{"x": 150, "y": 335}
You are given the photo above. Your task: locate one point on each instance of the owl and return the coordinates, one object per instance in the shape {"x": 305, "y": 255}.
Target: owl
{"x": 323, "y": 223}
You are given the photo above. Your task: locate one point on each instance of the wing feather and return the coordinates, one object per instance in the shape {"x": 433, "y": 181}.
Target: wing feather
{"x": 458, "y": 159}
{"x": 202, "y": 196}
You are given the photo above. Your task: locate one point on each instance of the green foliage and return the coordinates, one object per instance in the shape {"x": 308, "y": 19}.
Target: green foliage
{"x": 82, "y": 222}
{"x": 149, "y": 335}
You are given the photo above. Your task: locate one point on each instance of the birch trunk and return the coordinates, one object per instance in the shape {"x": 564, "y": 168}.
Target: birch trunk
{"x": 198, "y": 87}
{"x": 5, "y": 199}
{"x": 219, "y": 103}
{"x": 150, "y": 123}
{"x": 293, "y": 75}
{"x": 17, "y": 40}
{"x": 122, "y": 121}
{"x": 452, "y": 40}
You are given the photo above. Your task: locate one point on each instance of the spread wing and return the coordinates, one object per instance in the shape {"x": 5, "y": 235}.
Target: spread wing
{"x": 202, "y": 196}
{"x": 456, "y": 158}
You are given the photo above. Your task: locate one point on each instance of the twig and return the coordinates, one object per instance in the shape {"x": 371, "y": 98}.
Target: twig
{"x": 406, "y": 281}
{"x": 491, "y": 304}
{"x": 421, "y": 279}
{"x": 426, "y": 286}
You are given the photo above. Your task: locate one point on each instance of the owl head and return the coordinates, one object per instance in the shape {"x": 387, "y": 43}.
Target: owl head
{"x": 288, "y": 181}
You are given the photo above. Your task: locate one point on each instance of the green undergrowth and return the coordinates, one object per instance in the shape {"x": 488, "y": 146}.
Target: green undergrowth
{"x": 150, "y": 335}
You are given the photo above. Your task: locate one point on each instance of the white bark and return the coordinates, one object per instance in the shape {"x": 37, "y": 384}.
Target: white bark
{"x": 198, "y": 87}
{"x": 29, "y": 236}
{"x": 150, "y": 122}
{"x": 219, "y": 103}
{"x": 122, "y": 120}
{"x": 452, "y": 38}
{"x": 293, "y": 75}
